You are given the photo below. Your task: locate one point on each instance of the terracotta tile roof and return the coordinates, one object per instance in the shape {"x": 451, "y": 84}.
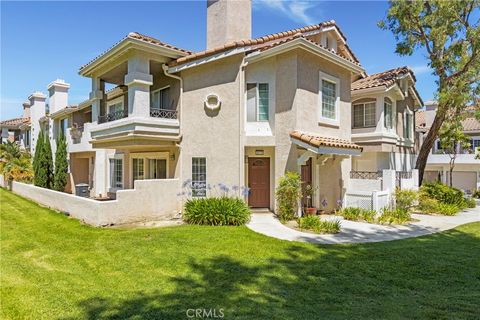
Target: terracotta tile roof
{"x": 319, "y": 141}
{"x": 144, "y": 38}
{"x": 385, "y": 78}
{"x": 263, "y": 41}
{"x": 468, "y": 124}
{"x": 15, "y": 122}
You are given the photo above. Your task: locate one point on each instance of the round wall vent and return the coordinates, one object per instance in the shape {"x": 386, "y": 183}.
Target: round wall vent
{"x": 212, "y": 102}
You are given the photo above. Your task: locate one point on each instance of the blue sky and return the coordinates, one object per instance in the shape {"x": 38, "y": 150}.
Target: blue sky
{"x": 43, "y": 41}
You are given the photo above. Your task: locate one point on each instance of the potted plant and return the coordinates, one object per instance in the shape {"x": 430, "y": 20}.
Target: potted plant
{"x": 308, "y": 193}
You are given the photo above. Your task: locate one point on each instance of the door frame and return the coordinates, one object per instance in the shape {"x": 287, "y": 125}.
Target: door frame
{"x": 250, "y": 160}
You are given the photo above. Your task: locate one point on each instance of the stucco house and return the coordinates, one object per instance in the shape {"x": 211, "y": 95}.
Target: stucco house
{"x": 18, "y": 129}
{"x": 241, "y": 113}
{"x": 466, "y": 173}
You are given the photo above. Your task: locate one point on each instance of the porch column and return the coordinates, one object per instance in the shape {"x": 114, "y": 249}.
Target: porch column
{"x": 138, "y": 81}
{"x": 97, "y": 94}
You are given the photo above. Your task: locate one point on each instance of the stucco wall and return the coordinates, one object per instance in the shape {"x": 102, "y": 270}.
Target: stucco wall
{"x": 215, "y": 135}
{"x": 158, "y": 202}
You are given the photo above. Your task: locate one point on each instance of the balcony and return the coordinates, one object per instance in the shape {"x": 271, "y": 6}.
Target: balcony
{"x": 78, "y": 138}
{"x": 112, "y": 116}
{"x": 164, "y": 113}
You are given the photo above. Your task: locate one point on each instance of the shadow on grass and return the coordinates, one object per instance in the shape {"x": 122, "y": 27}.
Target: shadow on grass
{"x": 434, "y": 277}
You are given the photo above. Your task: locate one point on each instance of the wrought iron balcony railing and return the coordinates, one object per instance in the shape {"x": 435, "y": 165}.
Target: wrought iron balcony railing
{"x": 371, "y": 175}
{"x": 112, "y": 116}
{"x": 163, "y": 113}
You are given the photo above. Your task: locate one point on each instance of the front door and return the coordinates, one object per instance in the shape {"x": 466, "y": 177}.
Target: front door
{"x": 259, "y": 182}
{"x": 306, "y": 180}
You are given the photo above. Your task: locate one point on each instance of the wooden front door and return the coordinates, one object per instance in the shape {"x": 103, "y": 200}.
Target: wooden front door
{"x": 259, "y": 182}
{"x": 306, "y": 177}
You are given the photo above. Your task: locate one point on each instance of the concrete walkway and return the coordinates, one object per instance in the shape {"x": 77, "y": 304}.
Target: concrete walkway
{"x": 355, "y": 232}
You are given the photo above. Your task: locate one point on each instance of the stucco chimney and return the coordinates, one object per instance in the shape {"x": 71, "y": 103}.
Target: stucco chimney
{"x": 37, "y": 111}
{"x": 26, "y": 109}
{"x": 58, "y": 95}
{"x": 430, "y": 112}
{"x": 228, "y": 20}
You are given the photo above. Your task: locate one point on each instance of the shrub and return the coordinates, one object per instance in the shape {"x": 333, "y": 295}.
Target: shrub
{"x": 470, "y": 202}
{"x": 447, "y": 209}
{"x": 61, "y": 165}
{"x": 43, "y": 163}
{"x": 443, "y": 194}
{"x": 216, "y": 211}
{"x": 428, "y": 205}
{"x": 476, "y": 194}
{"x": 288, "y": 193}
{"x": 395, "y": 216}
{"x": 405, "y": 199}
{"x": 316, "y": 225}
{"x": 358, "y": 214}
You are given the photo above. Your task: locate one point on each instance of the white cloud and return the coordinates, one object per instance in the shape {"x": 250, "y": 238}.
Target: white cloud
{"x": 299, "y": 11}
{"x": 421, "y": 69}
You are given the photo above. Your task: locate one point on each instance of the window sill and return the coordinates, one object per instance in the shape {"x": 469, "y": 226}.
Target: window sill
{"x": 328, "y": 122}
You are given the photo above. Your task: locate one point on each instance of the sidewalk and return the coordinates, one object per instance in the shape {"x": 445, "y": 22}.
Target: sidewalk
{"x": 357, "y": 232}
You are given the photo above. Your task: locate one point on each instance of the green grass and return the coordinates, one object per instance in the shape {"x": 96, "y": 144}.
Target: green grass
{"x": 52, "y": 267}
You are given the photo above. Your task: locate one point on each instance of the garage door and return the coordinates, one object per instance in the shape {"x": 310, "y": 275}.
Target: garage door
{"x": 465, "y": 180}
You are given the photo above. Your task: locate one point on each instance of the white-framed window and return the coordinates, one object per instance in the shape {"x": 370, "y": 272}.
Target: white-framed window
{"x": 474, "y": 144}
{"x": 27, "y": 138}
{"x": 329, "y": 99}
{"x": 116, "y": 172}
{"x": 388, "y": 113}
{"x": 258, "y": 102}
{"x": 199, "y": 177}
{"x": 408, "y": 123}
{"x": 149, "y": 165}
{"x": 160, "y": 99}
{"x": 364, "y": 114}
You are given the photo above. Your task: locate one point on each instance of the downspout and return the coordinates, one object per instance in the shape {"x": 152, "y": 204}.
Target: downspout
{"x": 180, "y": 120}
{"x": 241, "y": 122}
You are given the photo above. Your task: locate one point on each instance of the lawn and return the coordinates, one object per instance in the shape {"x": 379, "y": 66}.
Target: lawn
{"x": 53, "y": 267}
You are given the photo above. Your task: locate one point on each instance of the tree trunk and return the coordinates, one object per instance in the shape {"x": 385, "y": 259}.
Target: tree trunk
{"x": 428, "y": 143}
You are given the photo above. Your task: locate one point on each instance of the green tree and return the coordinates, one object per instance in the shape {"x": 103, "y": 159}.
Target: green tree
{"x": 38, "y": 178}
{"x": 452, "y": 139}
{"x": 449, "y": 32}
{"x": 15, "y": 164}
{"x": 61, "y": 165}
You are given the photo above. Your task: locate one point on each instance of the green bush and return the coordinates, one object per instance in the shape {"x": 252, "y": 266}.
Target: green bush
{"x": 313, "y": 223}
{"x": 476, "y": 194}
{"x": 288, "y": 193}
{"x": 358, "y": 214}
{"x": 470, "y": 202}
{"x": 428, "y": 205}
{"x": 395, "y": 216}
{"x": 443, "y": 193}
{"x": 405, "y": 199}
{"x": 447, "y": 209}
{"x": 216, "y": 211}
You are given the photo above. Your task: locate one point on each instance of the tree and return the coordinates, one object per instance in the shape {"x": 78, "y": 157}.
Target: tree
{"x": 15, "y": 164}
{"x": 451, "y": 138}
{"x": 43, "y": 163}
{"x": 37, "y": 175}
{"x": 449, "y": 32}
{"x": 61, "y": 165}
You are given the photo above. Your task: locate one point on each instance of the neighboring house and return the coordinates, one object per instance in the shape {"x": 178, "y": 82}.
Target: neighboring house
{"x": 383, "y": 107}
{"x": 466, "y": 174}
{"x": 242, "y": 113}
{"x": 18, "y": 129}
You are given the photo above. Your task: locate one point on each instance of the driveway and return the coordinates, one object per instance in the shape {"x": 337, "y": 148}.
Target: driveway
{"x": 356, "y": 232}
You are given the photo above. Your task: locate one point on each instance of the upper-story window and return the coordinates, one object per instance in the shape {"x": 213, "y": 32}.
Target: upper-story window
{"x": 408, "y": 123}
{"x": 115, "y": 106}
{"x": 364, "y": 114}
{"x": 388, "y": 113}
{"x": 63, "y": 126}
{"x": 258, "y": 102}
{"x": 160, "y": 99}
{"x": 329, "y": 95}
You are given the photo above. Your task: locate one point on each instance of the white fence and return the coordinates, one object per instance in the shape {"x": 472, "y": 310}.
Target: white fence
{"x": 376, "y": 200}
{"x": 150, "y": 200}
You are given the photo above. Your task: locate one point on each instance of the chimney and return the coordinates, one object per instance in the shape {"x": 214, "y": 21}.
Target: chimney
{"x": 26, "y": 109}
{"x": 228, "y": 20}
{"x": 37, "y": 111}
{"x": 58, "y": 95}
{"x": 430, "y": 112}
